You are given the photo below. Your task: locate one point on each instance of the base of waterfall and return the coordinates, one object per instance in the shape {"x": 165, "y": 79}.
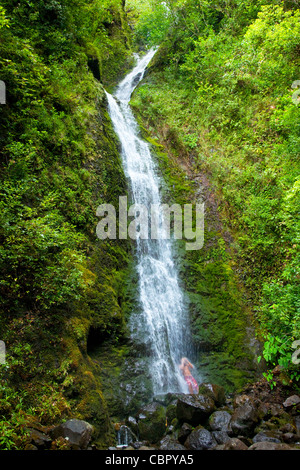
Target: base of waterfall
{"x": 251, "y": 420}
{"x": 256, "y": 418}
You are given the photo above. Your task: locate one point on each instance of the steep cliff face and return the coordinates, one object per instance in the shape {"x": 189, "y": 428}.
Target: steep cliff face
{"x": 61, "y": 287}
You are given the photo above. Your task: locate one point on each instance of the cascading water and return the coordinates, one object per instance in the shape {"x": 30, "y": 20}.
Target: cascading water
{"x": 125, "y": 436}
{"x": 162, "y": 321}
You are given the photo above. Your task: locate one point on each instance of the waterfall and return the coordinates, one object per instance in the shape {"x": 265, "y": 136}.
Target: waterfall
{"x": 125, "y": 436}
{"x": 162, "y": 322}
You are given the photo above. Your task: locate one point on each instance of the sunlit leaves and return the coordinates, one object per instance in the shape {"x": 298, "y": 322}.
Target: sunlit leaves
{"x": 153, "y": 23}
{"x": 4, "y": 22}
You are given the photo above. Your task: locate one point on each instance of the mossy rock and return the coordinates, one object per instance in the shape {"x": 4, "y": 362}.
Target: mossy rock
{"x": 171, "y": 412}
{"x": 216, "y": 392}
{"x": 195, "y": 409}
{"x": 152, "y": 422}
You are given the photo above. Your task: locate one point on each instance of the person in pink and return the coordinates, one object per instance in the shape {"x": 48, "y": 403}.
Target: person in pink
{"x": 185, "y": 366}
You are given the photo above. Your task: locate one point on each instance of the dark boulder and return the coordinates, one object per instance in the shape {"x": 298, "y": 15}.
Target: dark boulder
{"x": 152, "y": 422}
{"x": 266, "y": 436}
{"x": 277, "y": 411}
{"x": 265, "y": 445}
{"x": 194, "y": 409}
{"x": 216, "y": 392}
{"x": 219, "y": 421}
{"x": 171, "y": 411}
{"x": 39, "y": 439}
{"x": 289, "y": 427}
{"x": 76, "y": 432}
{"x": 221, "y": 437}
{"x": 131, "y": 422}
{"x": 241, "y": 400}
{"x": 244, "y": 419}
{"x": 138, "y": 444}
{"x": 293, "y": 401}
{"x": 235, "y": 444}
{"x": 290, "y": 438}
{"x": 184, "y": 432}
{"x": 136, "y": 79}
{"x": 200, "y": 439}
{"x": 167, "y": 443}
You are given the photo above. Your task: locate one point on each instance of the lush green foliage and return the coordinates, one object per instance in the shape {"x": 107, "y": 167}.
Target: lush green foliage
{"x": 221, "y": 93}
{"x": 151, "y": 20}
{"x": 58, "y": 162}
{"x": 48, "y": 149}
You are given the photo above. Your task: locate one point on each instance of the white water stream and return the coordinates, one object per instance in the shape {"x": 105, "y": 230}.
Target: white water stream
{"x": 162, "y": 322}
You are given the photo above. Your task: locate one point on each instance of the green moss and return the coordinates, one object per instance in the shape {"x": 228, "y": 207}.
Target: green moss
{"x": 171, "y": 413}
{"x": 153, "y": 426}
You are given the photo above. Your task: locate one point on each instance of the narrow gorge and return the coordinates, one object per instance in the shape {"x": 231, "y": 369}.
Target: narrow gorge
{"x": 159, "y": 334}
{"x": 130, "y": 130}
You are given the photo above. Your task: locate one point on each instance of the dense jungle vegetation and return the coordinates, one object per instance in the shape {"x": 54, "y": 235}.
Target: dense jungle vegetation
{"x": 222, "y": 93}
{"x": 59, "y": 161}
{"x": 221, "y": 97}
